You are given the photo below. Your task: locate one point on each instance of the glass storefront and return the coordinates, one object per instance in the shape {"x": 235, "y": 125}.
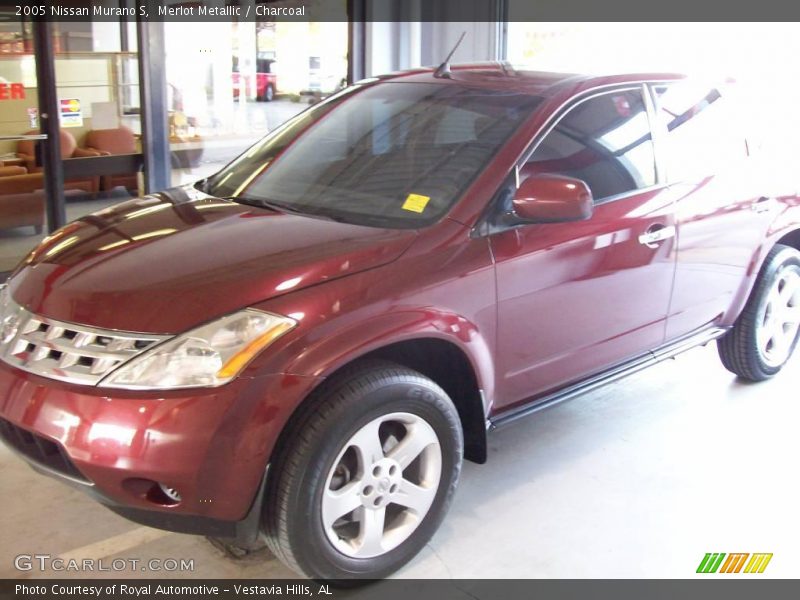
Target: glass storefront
{"x": 229, "y": 84}
{"x": 96, "y": 79}
{"x": 22, "y": 197}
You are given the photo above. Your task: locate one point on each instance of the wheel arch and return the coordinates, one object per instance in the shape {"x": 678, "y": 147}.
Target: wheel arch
{"x": 788, "y": 236}
{"x": 447, "y": 365}
{"x": 790, "y": 239}
{"x": 440, "y": 359}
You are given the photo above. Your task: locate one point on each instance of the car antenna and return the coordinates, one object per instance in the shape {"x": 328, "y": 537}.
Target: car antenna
{"x": 443, "y": 71}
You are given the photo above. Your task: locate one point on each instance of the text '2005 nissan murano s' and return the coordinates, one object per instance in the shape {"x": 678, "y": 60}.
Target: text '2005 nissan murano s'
{"x": 302, "y": 347}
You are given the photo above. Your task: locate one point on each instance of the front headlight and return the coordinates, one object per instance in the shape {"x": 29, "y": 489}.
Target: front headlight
{"x": 208, "y": 356}
{"x": 10, "y": 315}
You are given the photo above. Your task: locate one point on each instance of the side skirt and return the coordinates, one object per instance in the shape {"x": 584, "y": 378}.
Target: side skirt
{"x": 594, "y": 382}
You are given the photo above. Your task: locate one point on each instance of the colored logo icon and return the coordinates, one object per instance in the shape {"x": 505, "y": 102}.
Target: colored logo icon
{"x": 70, "y": 105}
{"x": 717, "y": 562}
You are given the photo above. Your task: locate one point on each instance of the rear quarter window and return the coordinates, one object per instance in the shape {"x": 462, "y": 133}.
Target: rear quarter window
{"x": 702, "y": 135}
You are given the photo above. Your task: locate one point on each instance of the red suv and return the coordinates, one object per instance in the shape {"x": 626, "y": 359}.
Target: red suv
{"x": 266, "y": 82}
{"x": 302, "y": 347}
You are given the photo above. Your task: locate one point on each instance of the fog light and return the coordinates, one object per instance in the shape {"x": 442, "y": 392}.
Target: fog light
{"x": 170, "y": 493}
{"x": 152, "y": 491}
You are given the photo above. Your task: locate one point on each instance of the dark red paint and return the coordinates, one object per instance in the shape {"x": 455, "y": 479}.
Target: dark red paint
{"x": 532, "y": 308}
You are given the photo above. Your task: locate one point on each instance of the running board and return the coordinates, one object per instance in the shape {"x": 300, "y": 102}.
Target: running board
{"x": 597, "y": 381}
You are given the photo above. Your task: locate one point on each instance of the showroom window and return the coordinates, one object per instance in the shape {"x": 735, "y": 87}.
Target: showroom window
{"x": 231, "y": 83}
{"x": 95, "y": 67}
{"x": 605, "y": 141}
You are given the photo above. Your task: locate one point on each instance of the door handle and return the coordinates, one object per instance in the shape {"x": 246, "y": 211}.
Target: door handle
{"x": 762, "y": 205}
{"x": 655, "y": 234}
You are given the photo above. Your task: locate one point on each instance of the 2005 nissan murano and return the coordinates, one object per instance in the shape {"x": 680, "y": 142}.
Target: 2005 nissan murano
{"x": 302, "y": 347}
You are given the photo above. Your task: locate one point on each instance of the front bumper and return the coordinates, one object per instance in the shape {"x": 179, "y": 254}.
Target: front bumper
{"x": 211, "y": 445}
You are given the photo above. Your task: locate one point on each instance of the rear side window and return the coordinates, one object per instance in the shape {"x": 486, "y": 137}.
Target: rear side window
{"x": 702, "y": 137}
{"x": 605, "y": 141}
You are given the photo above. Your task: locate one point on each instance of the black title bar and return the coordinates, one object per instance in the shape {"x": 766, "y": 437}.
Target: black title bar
{"x": 211, "y": 11}
{"x": 743, "y": 588}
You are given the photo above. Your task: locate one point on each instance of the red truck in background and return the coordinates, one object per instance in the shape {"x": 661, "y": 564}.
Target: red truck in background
{"x": 266, "y": 83}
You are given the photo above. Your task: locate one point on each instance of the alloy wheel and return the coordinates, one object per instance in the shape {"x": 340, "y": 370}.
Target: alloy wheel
{"x": 780, "y": 318}
{"x": 381, "y": 485}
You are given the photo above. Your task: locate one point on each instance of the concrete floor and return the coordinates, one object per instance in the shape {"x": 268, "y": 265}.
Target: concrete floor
{"x": 640, "y": 479}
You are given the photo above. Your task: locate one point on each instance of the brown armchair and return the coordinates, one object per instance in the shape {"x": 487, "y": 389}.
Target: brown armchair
{"x": 22, "y": 200}
{"x": 12, "y": 170}
{"x": 26, "y": 151}
{"x": 120, "y": 140}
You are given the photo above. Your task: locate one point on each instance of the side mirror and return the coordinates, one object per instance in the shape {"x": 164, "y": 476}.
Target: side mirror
{"x": 552, "y": 199}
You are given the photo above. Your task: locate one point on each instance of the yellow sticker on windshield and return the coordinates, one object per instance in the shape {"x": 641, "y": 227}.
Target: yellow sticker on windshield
{"x": 416, "y": 203}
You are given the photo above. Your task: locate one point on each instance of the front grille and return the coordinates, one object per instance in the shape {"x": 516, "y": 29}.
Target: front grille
{"x": 39, "y": 450}
{"x": 68, "y": 352}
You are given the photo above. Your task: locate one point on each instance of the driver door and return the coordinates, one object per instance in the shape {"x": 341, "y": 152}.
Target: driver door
{"x": 577, "y": 298}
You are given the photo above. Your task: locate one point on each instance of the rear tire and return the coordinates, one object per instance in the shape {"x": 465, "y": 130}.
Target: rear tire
{"x": 364, "y": 474}
{"x": 765, "y": 335}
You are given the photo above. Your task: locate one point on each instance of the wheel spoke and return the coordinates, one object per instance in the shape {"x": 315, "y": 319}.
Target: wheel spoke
{"x": 418, "y": 437}
{"x": 786, "y": 334}
{"x": 792, "y": 314}
{"x": 370, "y": 538}
{"x": 415, "y": 497}
{"x": 368, "y": 444}
{"x": 774, "y": 298}
{"x": 780, "y": 345}
{"x": 776, "y": 328}
{"x": 338, "y": 503}
{"x": 791, "y": 334}
{"x": 791, "y": 282}
{"x": 765, "y": 330}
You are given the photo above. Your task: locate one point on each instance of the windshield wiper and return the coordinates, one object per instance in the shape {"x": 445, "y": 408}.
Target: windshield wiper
{"x": 262, "y": 203}
{"x": 286, "y": 208}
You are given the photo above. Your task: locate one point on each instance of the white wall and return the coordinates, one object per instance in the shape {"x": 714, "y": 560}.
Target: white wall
{"x": 480, "y": 42}
{"x": 105, "y": 36}
{"x": 393, "y": 46}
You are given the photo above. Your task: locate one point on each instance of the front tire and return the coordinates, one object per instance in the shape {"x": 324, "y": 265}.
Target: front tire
{"x": 765, "y": 334}
{"x": 364, "y": 474}
{"x": 268, "y": 95}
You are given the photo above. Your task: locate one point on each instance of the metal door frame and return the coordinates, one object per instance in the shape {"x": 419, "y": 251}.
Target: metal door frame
{"x": 153, "y": 100}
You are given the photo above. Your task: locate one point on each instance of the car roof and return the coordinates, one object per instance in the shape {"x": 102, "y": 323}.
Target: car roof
{"x": 504, "y": 75}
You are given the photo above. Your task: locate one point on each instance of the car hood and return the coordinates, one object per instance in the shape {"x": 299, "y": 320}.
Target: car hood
{"x": 169, "y": 261}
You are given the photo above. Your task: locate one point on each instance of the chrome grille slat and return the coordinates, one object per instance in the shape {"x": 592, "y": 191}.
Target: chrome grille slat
{"x": 94, "y": 352}
{"x": 70, "y": 352}
{"x": 69, "y": 359}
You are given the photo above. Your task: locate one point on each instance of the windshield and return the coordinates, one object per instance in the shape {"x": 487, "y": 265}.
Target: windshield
{"x": 390, "y": 155}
